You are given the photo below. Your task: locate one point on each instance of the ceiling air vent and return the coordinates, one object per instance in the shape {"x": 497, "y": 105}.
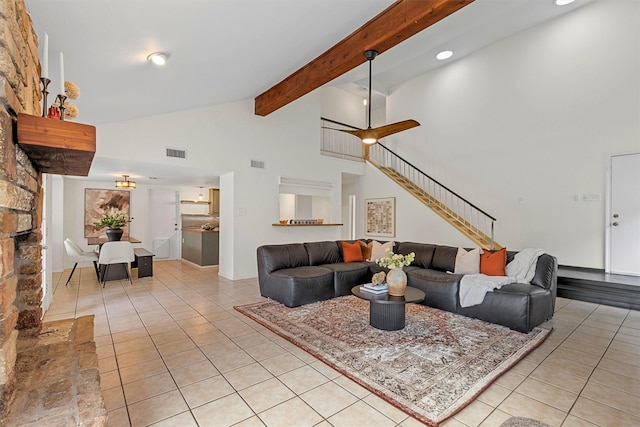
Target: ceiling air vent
{"x": 177, "y": 153}
{"x": 257, "y": 164}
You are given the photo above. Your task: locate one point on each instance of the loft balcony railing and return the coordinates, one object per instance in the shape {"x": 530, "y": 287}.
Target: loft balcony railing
{"x": 340, "y": 144}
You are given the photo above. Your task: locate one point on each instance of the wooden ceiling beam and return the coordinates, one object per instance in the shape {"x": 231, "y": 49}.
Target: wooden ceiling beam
{"x": 397, "y": 23}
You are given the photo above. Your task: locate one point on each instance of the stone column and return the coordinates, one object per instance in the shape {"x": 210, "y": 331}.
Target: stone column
{"x": 20, "y": 193}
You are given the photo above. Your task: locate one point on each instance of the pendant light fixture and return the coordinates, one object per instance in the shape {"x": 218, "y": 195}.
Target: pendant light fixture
{"x": 125, "y": 183}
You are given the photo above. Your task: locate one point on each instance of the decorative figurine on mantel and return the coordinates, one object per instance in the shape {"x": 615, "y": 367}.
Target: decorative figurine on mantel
{"x": 72, "y": 91}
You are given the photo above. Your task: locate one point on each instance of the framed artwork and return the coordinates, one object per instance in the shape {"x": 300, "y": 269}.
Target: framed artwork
{"x": 380, "y": 217}
{"x": 97, "y": 202}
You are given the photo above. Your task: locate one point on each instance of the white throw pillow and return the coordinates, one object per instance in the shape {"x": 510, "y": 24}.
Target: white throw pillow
{"x": 379, "y": 250}
{"x": 467, "y": 262}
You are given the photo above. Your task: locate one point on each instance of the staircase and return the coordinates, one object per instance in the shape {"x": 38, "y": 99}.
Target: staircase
{"x": 467, "y": 218}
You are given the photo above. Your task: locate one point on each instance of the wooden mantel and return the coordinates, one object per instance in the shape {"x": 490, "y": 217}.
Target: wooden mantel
{"x": 57, "y": 146}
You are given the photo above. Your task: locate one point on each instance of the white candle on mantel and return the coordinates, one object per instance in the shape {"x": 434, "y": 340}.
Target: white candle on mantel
{"x": 45, "y": 56}
{"x": 61, "y": 75}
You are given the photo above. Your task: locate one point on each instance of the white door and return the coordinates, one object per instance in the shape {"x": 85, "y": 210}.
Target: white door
{"x": 625, "y": 214}
{"x": 164, "y": 216}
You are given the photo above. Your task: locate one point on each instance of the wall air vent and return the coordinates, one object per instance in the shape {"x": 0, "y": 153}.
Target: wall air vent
{"x": 257, "y": 164}
{"x": 177, "y": 153}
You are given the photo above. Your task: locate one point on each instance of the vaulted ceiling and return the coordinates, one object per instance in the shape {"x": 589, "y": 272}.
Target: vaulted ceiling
{"x": 229, "y": 50}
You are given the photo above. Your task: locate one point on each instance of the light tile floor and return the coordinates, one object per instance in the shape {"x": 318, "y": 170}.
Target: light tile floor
{"x": 173, "y": 352}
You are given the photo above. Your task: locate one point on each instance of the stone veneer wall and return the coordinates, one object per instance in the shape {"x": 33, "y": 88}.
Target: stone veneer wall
{"x": 20, "y": 194}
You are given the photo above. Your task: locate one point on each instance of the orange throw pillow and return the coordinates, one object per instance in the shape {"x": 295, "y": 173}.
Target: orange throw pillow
{"x": 366, "y": 250}
{"x": 493, "y": 263}
{"x": 351, "y": 252}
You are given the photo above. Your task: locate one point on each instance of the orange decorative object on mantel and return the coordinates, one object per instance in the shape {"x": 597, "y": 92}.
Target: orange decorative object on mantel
{"x": 53, "y": 113}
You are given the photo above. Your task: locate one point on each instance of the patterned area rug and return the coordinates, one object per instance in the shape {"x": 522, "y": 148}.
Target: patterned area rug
{"x": 431, "y": 369}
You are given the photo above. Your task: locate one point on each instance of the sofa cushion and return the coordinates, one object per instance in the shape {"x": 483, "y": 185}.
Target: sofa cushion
{"x": 379, "y": 250}
{"x": 323, "y": 253}
{"x": 493, "y": 263}
{"x": 424, "y": 253}
{"x": 441, "y": 288}
{"x": 346, "y": 275}
{"x": 518, "y": 306}
{"x": 351, "y": 252}
{"x": 444, "y": 258}
{"x": 276, "y": 257}
{"x": 298, "y": 286}
{"x": 467, "y": 262}
{"x": 366, "y": 249}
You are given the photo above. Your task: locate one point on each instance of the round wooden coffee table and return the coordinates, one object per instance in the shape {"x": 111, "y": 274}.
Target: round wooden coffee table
{"x": 387, "y": 312}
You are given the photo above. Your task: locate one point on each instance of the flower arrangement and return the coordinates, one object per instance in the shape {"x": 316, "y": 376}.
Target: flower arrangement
{"x": 392, "y": 260}
{"x": 112, "y": 221}
{"x": 71, "y": 90}
{"x": 70, "y": 110}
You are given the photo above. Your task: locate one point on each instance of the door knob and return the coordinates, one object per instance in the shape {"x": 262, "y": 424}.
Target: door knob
{"x": 616, "y": 215}
{"x": 615, "y": 224}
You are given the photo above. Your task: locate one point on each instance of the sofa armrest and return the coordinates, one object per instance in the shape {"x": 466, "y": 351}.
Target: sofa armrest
{"x": 277, "y": 257}
{"x": 546, "y": 275}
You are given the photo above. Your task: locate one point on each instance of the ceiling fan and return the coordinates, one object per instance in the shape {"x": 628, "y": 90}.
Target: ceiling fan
{"x": 372, "y": 135}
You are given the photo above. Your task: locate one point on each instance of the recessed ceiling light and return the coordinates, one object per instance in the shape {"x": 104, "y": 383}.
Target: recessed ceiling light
{"x": 563, "y": 2}
{"x": 158, "y": 58}
{"x": 445, "y": 54}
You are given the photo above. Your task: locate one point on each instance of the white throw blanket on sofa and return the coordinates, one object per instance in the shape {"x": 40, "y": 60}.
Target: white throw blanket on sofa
{"x": 523, "y": 266}
{"x": 474, "y": 287}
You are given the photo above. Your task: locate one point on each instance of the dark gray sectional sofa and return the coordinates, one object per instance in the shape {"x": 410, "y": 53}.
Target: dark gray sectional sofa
{"x": 301, "y": 273}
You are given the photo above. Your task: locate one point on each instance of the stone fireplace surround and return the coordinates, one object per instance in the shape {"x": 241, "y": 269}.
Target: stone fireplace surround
{"x": 21, "y": 197}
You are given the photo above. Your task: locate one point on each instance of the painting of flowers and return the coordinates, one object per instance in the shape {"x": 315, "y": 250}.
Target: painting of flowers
{"x": 97, "y": 202}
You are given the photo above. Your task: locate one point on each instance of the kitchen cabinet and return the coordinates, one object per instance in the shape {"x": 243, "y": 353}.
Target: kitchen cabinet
{"x": 201, "y": 247}
{"x": 214, "y": 200}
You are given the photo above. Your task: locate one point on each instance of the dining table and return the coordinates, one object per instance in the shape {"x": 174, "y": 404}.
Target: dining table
{"x": 101, "y": 240}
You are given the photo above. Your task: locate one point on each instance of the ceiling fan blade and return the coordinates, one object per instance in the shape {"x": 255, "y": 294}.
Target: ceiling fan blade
{"x": 387, "y": 130}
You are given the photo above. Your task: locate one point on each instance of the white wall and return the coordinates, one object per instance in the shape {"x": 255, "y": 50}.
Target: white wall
{"x": 343, "y": 106}
{"x": 532, "y": 118}
{"x": 522, "y": 127}
{"x": 224, "y": 139}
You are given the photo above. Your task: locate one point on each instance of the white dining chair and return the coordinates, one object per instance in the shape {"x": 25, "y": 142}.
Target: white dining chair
{"x": 78, "y": 255}
{"x": 116, "y": 253}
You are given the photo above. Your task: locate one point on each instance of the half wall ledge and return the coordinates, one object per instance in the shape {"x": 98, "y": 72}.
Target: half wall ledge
{"x": 57, "y": 146}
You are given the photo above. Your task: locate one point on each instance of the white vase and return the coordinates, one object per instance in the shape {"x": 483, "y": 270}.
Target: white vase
{"x": 396, "y": 282}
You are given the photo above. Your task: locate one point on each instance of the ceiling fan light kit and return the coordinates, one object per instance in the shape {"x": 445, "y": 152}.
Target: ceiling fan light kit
{"x": 371, "y": 135}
